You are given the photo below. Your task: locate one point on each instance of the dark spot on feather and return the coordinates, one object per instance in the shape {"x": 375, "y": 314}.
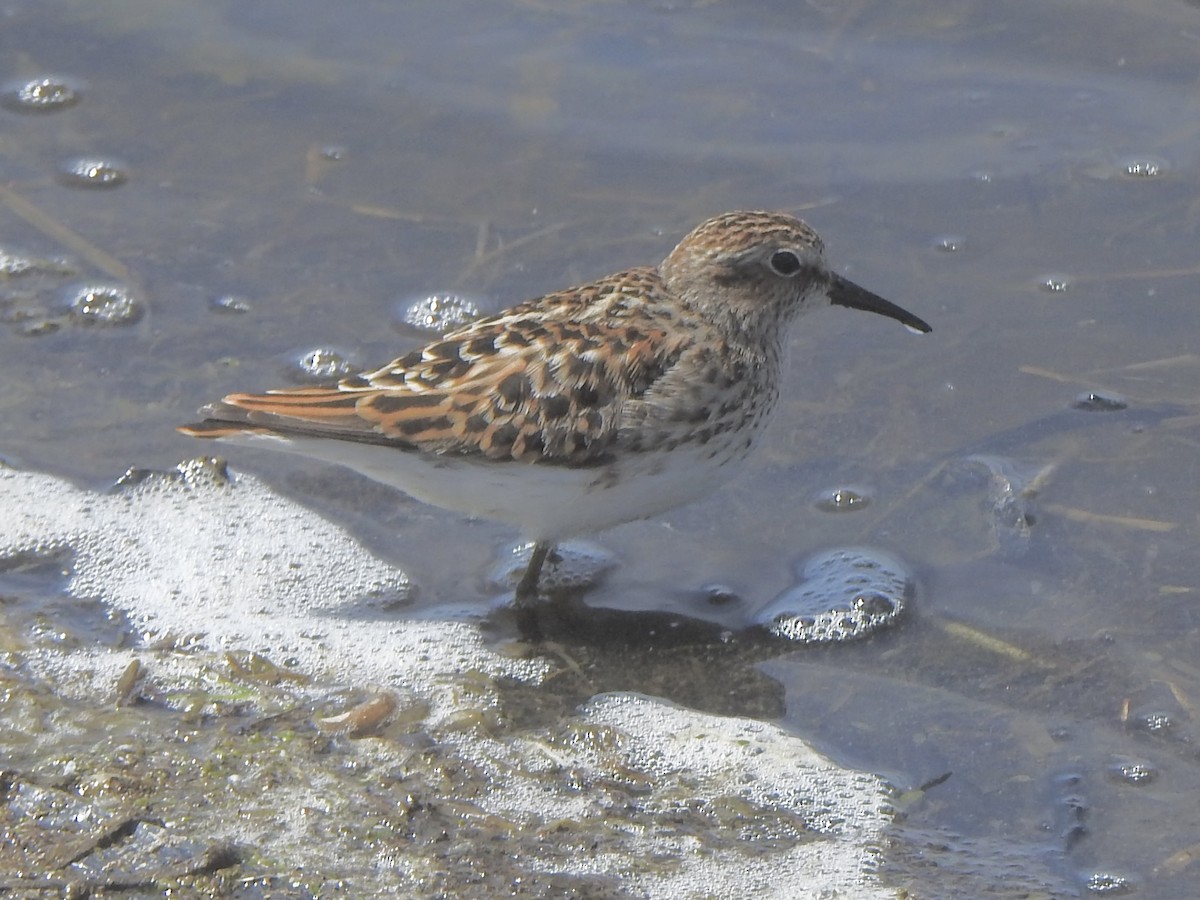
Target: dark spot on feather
{"x": 640, "y": 381}
{"x": 576, "y": 367}
{"x": 480, "y": 346}
{"x": 555, "y": 406}
{"x": 354, "y": 381}
{"x": 444, "y": 369}
{"x": 443, "y": 350}
{"x": 416, "y": 426}
{"x": 503, "y": 436}
{"x": 586, "y": 395}
{"x": 513, "y": 388}
{"x": 395, "y": 403}
{"x": 534, "y": 445}
{"x": 477, "y": 423}
{"x": 530, "y": 327}
{"x": 516, "y": 338}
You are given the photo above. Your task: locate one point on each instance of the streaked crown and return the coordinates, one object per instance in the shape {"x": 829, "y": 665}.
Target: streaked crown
{"x": 748, "y": 270}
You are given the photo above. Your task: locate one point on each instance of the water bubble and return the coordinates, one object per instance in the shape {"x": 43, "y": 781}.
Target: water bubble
{"x": 842, "y": 595}
{"x": 873, "y": 605}
{"x": 93, "y": 172}
{"x": 1107, "y": 883}
{"x": 49, "y": 93}
{"x": 589, "y": 737}
{"x": 201, "y": 472}
{"x": 1134, "y": 772}
{"x": 322, "y": 364}
{"x": 843, "y": 499}
{"x": 14, "y": 264}
{"x": 1055, "y": 282}
{"x": 1157, "y": 722}
{"x": 230, "y": 303}
{"x": 948, "y": 243}
{"x": 104, "y": 304}
{"x": 1100, "y": 401}
{"x": 440, "y": 313}
{"x": 1142, "y": 167}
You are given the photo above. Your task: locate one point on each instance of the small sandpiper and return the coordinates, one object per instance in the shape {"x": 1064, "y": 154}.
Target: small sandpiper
{"x": 582, "y": 409}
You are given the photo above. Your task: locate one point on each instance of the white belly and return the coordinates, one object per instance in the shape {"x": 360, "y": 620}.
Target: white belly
{"x": 545, "y": 502}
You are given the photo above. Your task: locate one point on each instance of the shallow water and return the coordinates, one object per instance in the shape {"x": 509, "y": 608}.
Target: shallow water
{"x": 323, "y": 167}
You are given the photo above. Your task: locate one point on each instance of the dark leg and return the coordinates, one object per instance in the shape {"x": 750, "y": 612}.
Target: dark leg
{"x": 527, "y": 593}
{"x": 527, "y": 587}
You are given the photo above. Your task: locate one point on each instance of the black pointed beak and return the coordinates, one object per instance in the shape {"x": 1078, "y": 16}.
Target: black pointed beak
{"x": 844, "y": 292}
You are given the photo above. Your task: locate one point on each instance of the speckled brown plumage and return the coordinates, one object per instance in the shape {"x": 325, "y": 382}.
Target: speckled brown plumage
{"x": 647, "y": 383}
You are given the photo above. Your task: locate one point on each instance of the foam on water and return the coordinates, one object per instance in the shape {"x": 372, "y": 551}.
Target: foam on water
{"x": 737, "y": 806}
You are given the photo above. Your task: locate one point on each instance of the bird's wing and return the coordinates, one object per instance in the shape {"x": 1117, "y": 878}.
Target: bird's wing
{"x": 515, "y": 387}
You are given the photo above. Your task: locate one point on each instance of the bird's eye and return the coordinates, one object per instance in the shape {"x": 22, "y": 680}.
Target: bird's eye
{"x": 785, "y": 263}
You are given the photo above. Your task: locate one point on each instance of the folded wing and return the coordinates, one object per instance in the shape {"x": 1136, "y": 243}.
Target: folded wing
{"x": 515, "y": 387}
